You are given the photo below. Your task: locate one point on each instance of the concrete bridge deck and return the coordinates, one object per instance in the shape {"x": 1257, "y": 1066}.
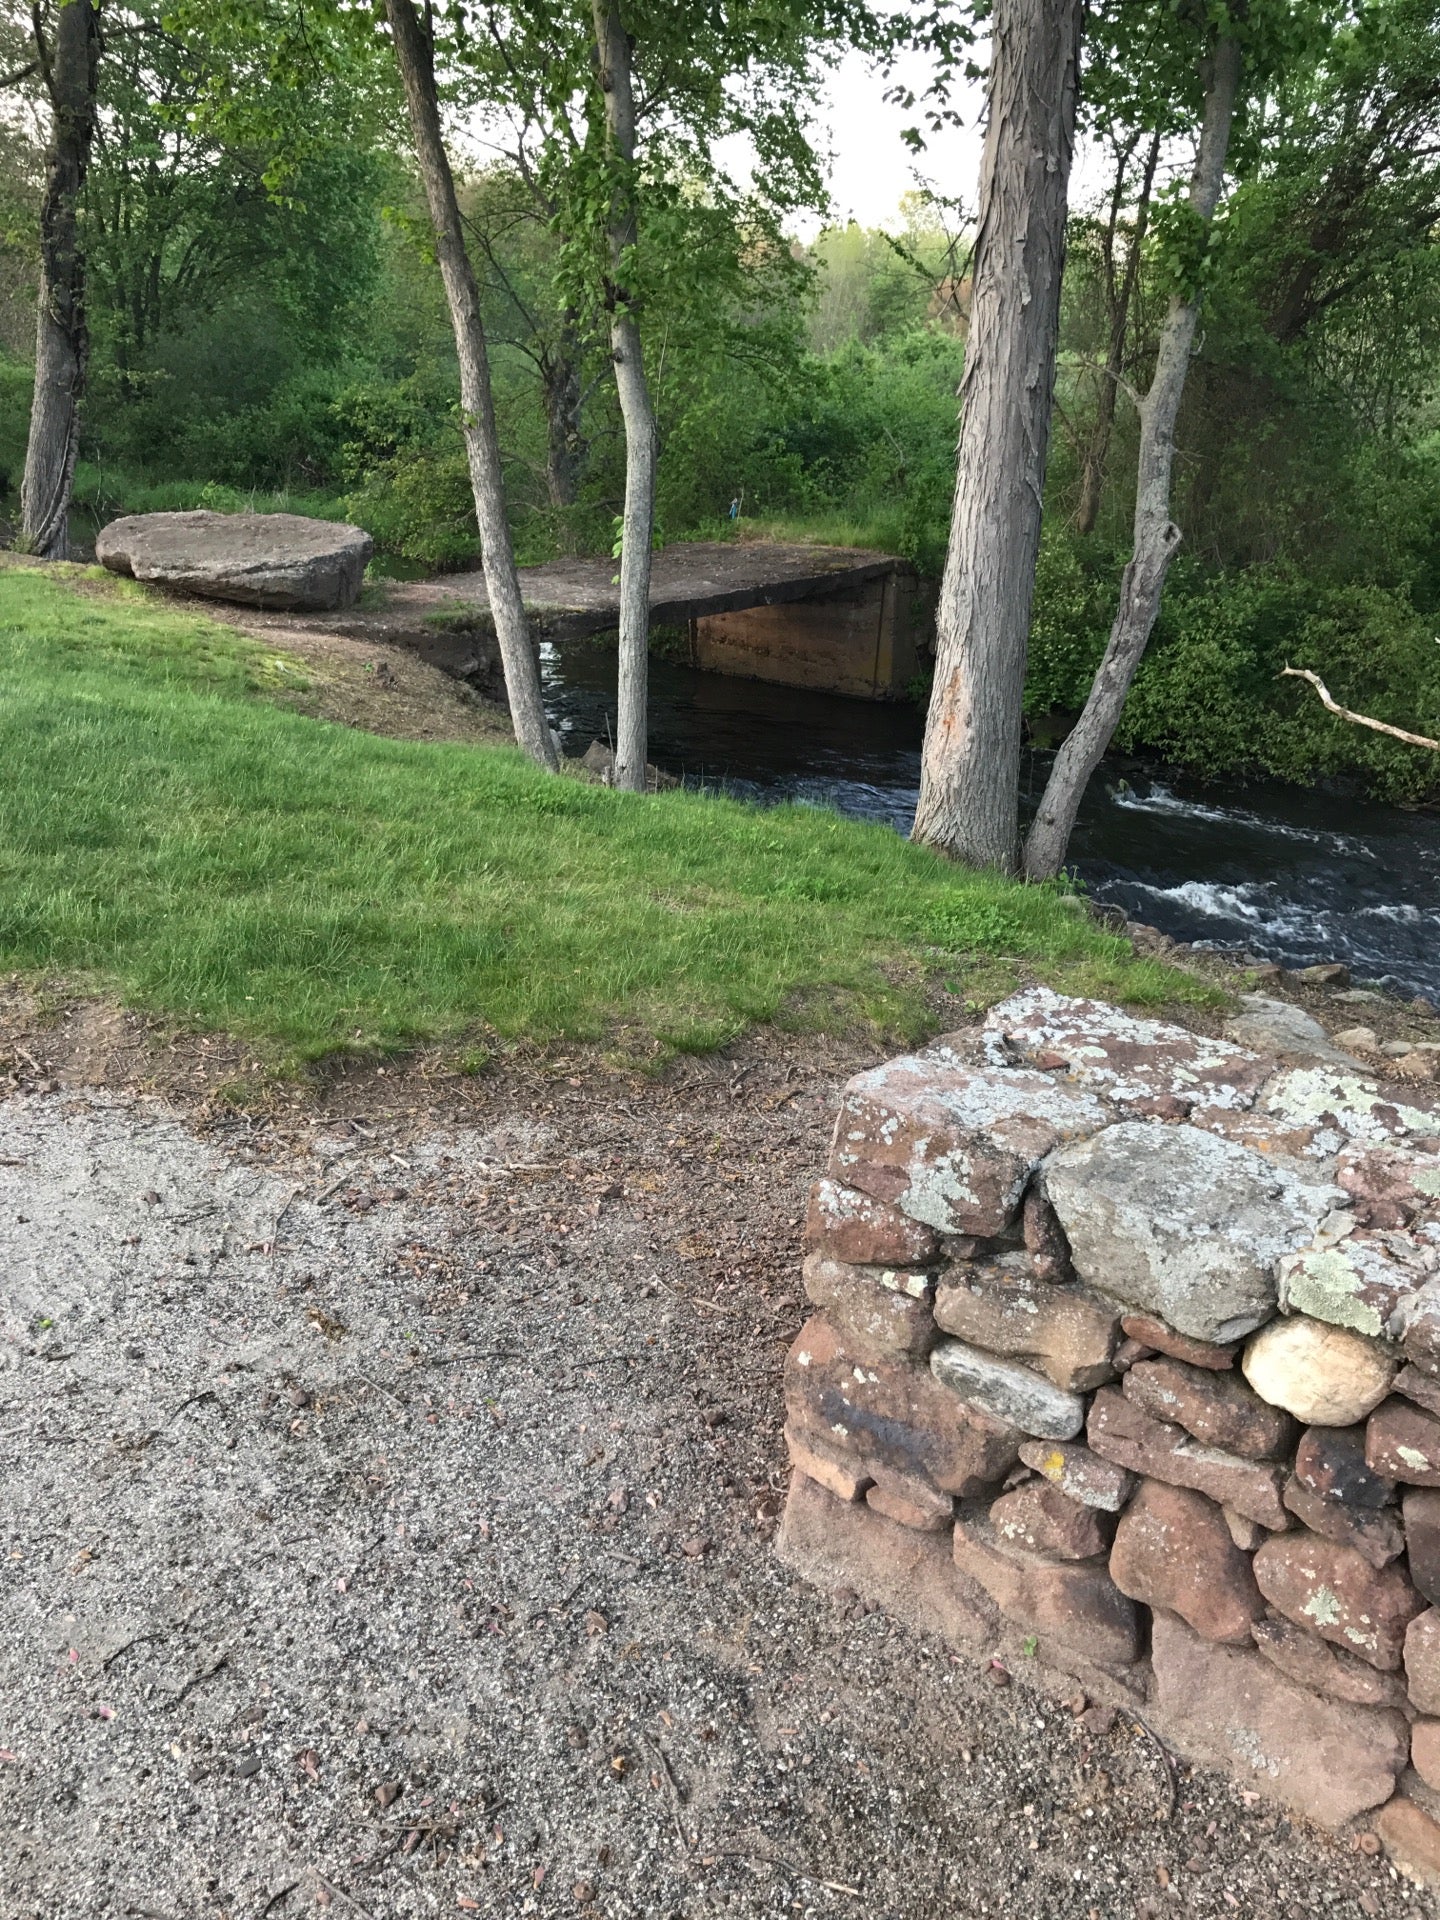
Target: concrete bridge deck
{"x": 842, "y": 619}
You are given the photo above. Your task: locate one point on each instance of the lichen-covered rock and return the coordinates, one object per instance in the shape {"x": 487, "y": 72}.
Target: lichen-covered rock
{"x": 1388, "y": 1186}
{"x": 1067, "y": 1333}
{"x": 1173, "y": 1549}
{"x": 883, "y": 1309}
{"x": 1217, "y": 1408}
{"x": 849, "y": 1225}
{"x": 1335, "y": 1592}
{"x": 281, "y": 561}
{"x": 1347, "y": 1109}
{"x": 1010, "y": 1393}
{"x": 1132, "y": 1061}
{"x": 1229, "y": 1707}
{"x": 1417, "y": 1326}
{"x": 1402, "y": 1442}
{"x": 950, "y": 1145}
{"x": 1120, "y": 1431}
{"x": 1178, "y": 1223}
{"x": 1079, "y": 1473}
{"x": 1326, "y": 1376}
{"x": 1072, "y": 1601}
{"x": 1360, "y": 1280}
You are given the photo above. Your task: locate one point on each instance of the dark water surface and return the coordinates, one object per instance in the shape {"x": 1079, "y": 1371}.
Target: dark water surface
{"x": 1279, "y": 872}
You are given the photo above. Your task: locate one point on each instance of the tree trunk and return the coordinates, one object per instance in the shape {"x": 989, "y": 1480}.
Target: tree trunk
{"x": 62, "y": 339}
{"x": 1156, "y": 535}
{"x": 1117, "y": 303}
{"x": 612, "y": 48}
{"x": 564, "y": 440}
{"x": 415, "y": 53}
{"x": 970, "y": 770}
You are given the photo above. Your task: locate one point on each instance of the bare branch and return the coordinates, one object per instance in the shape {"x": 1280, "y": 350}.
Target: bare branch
{"x": 1358, "y": 719}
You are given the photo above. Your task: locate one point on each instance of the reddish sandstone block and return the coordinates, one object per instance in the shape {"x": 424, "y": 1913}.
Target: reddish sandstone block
{"x": 843, "y": 1477}
{"x": 1331, "y": 1462}
{"x": 1421, "y": 1509}
{"x": 1422, "y": 1661}
{"x": 1068, "y": 1334}
{"x": 911, "y": 1503}
{"x": 1151, "y": 1332}
{"x": 892, "y": 1414}
{"x": 1041, "y": 1519}
{"x": 908, "y": 1573}
{"x": 1232, "y": 1709}
{"x": 848, "y": 1225}
{"x": 1072, "y": 1601}
{"x": 1077, "y": 1471}
{"x": 1425, "y": 1752}
{"x": 1412, "y": 1840}
{"x": 1120, "y": 1431}
{"x": 884, "y": 1309}
{"x": 1315, "y": 1664}
{"x": 1336, "y": 1593}
{"x": 1402, "y": 1441}
{"x": 1173, "y": 1549}
{"x": 1376, "y": 1537}
{"x": 1219, "y": 1409}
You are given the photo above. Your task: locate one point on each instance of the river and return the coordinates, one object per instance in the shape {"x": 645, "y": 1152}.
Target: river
{"x": 1283, "y": 873}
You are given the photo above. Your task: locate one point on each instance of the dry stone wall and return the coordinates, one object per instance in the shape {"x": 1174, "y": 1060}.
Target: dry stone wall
{"x": 1126, "y": 1359}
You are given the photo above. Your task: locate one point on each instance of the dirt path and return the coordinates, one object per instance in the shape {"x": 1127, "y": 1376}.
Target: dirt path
{"x": 388, "y": 1488}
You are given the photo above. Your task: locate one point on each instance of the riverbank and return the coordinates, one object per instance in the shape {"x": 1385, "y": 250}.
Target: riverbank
{"x": 179, "y": 837}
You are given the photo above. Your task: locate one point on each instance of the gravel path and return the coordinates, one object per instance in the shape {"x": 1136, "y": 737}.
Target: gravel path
{"x": 388, "y": 1503}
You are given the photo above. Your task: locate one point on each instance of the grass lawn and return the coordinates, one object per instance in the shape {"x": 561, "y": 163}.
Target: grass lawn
{"x": 173, "y": 836}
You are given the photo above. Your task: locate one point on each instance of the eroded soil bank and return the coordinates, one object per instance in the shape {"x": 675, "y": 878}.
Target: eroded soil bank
{"x": 388, "y": 1492}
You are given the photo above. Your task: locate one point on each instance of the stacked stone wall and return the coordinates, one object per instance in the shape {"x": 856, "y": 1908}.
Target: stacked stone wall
{"x": 1126, "y": 1362}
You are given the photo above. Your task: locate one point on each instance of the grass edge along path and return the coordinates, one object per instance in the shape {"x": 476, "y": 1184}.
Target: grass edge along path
{"x": 174, "y": 837}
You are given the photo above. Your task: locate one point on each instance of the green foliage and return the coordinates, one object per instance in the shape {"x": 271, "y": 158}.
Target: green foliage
{"x": 172, "y": 836}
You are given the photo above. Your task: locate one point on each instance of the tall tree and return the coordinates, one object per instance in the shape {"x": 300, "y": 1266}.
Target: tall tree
{"x": 69, "y": 63}
{"x": 969, "y": 783}
{"x": 615, "y": 72}
{"x": 1156, "y": 537}
{"x": 415, "y": 55}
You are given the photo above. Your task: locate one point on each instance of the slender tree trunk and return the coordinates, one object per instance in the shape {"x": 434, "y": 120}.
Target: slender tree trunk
{"x": 612, "y": 48}
{"x": 62, "y": 338}
{"x": 1092, "y": 482}
{"x": 970, "y": 770}
{"x": 564, "y": 440}
{"x": 415, "y": 53}
{"x": 1156, "y": 535}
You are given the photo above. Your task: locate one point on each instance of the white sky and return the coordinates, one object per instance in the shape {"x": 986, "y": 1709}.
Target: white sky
{"x": 872, "y": 165}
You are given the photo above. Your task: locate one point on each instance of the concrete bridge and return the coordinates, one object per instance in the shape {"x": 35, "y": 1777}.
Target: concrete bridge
{"x": 838, "y": 619}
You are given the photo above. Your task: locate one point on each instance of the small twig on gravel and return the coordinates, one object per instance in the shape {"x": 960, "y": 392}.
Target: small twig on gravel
{"x": 281, "y": 1893}
{"x": 471, "y": 1353}
{"x": 274, "y": 1239}
{"x": 205, "y": 1673}
{"x": 672, "y": 1785}
{"x": 786, "y": 1866}
{"x": 340, "y": 1893}
{"x": 394, "y": 1398}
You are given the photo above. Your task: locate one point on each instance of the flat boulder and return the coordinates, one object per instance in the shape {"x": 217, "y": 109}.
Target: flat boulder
{"x": 280, "y": 561}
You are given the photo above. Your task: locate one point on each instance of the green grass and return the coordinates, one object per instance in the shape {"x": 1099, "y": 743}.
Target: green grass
{"x": 172, "y": 836}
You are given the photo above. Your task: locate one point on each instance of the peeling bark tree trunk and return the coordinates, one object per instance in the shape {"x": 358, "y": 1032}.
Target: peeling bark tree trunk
{"x": 612, "y": 48}
{"x": 1156, "y": 535}
{"x": 62, "y": 339}
{"x": 970, "y": 770}
{"x": 1117, "y": 302}
{"x": 415, "y": 54}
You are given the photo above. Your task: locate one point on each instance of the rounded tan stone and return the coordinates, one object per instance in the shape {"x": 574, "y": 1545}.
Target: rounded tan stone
{"x": 1324, "y": 1375}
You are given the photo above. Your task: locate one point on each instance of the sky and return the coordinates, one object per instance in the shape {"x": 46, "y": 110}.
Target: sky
{"x": 872, "y": 165}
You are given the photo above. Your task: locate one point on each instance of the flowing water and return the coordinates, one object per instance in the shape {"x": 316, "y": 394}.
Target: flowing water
{"x": 1279, "y": 872}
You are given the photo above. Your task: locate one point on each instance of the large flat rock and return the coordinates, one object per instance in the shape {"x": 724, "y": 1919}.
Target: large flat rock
{"x": 280, "y": 561}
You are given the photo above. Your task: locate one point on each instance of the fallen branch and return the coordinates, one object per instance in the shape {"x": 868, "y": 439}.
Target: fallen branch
{"x": 1357, "y": 719}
